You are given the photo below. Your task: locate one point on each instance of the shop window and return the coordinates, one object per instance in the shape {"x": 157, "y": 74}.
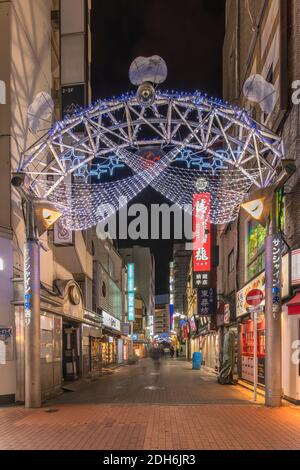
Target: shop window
{"x": 255, "y": 248}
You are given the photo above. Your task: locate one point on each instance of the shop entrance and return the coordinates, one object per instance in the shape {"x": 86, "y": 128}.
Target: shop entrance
{"x": 71, "y": 351}
{"x": 109, "y": 350}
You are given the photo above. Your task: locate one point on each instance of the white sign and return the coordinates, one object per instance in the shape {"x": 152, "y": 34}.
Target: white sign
{"x": 296, "y": 267}
{"x": 259, "y": 283}
{"x": 110, "y": 321}
{"x": 62, "y": 235}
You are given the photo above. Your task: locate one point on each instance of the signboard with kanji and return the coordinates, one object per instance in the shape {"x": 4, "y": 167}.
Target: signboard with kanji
{"x": 207, "y": 301}
{"x": 201, "y": 232}
{"x": 273, "y": 263}
{"x": 201, "y": 279}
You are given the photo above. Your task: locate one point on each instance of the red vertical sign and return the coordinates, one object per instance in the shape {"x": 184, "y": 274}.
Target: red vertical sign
{"x": 201, "y": 229}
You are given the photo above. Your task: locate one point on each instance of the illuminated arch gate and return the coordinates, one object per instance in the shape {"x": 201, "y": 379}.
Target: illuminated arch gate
{"x": 196, "y": 137}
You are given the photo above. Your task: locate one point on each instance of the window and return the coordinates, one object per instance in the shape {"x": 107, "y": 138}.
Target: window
{"x": 231, "y": 262}
{"x": 280, "y": 210}
{"x": 255, "y": 249}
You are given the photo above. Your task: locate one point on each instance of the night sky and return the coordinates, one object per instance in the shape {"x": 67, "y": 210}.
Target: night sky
{"x": 188, "y": 35}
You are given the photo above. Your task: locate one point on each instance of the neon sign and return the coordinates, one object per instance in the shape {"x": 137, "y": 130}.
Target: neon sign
{"x": 201, "y": 230}
{"x": 27, "y": 283}
{"x": 130, "y": 291}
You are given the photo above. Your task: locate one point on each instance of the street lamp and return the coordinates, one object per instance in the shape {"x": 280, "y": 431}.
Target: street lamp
{"x": 32, "y": 289}
{"x": 273, "y": 387}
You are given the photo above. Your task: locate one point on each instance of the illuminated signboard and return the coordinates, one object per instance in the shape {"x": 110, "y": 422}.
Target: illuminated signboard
{"x": 201, "y": 230}
{"x": 130, "y": 291}
{"x": 171, "y": 301}
{"x": 273, "y": 269}
{"x": 207, "y": 301}
{"x": 27, "y": 283}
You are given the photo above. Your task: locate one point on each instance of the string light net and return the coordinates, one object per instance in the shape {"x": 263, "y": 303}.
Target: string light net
{"x": 96, "y": 158}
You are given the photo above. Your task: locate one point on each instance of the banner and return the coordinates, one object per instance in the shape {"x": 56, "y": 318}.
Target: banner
{"x": 202, "y": 235}
{"x": 207, "y": 301}
{"x": 130, "y": 291}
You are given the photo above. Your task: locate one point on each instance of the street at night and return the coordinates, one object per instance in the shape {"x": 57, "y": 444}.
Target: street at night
{"x": 149, "y": 230}
{"x": 136, "y": 408}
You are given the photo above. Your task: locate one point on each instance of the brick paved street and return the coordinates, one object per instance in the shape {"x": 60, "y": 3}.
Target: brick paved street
{"x": 185, "y": 409}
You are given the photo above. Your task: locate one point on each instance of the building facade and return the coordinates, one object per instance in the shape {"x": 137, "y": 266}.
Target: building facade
{"x": 263, "y": 37}
{"x": 144, "y": 278}
{"x": 181, "y": 263}
{"x": 45, "y": 63}
{"x": 162, "y": 315}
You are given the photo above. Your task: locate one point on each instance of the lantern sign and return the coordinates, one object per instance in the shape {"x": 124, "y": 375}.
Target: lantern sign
{"x": 201, "y": 230}
{"x": 207, "y": 301}
{"x": 130, "y": 291}
{"x": 273, "y": 261}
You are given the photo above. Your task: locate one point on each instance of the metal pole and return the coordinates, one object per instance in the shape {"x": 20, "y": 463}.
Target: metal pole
{"x": 255, "y": 352}
{"x": 32, "y": 313}
{"x": 273, "y": 327}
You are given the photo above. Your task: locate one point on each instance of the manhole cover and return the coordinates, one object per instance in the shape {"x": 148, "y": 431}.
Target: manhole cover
{"x": 154, "y": 373}
{"x": 153, "y": 387}
{"x": 51, "y": 410}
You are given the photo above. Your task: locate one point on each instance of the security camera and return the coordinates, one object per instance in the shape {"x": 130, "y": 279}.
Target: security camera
{"x": 18, "y": 180}
{"x": 145, "y": 94}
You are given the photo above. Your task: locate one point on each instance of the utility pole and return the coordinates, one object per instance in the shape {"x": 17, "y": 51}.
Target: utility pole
{"x": 273, "y": 258}
{"x": 31, "y": 301}
{"x": 32, "y": 313}
{"x": 273, "y": 389}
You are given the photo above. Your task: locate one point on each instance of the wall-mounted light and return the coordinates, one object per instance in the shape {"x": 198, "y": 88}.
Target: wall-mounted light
{"x": 1, "y": 264}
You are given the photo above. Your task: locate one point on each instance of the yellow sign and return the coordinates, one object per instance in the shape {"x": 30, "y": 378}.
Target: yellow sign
{"x": 46, "y": 217}
{"x": 254, "y": 208}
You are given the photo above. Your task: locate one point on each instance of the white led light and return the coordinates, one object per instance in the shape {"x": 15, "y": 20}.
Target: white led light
{"x": 216, "y": 145}
{"x": 1, "y": 264}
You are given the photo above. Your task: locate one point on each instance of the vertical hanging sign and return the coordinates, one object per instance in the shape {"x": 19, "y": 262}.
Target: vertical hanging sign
{"x": 27, "y": 283}
{"x": 130, "y": 291}
{"x": 273, "y": 261}
{"x": 171, "y": 302}
{"x": 201, "y": 231}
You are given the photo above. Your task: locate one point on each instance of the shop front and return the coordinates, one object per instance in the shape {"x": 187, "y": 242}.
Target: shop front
{"x": 91, "y": 344}
{"x": 291, "y": 336}
{"x": 127, "y": 342}
{"x": 210, "y": 351}
{"x": 244, "y": 316}
{"x": 111, "y": 341}
{"x": 69, "y": 341}
{"x": 139, "y": 345}
{"x": 51, "y": 315}
{"x": 247, "y": 349}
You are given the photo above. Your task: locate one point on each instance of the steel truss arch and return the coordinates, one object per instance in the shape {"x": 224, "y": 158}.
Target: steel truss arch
{"x": 214, "y": 140}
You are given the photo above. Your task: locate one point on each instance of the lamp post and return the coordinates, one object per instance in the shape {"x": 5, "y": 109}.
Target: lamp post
{"x": 31, "y": 300}
{"x": 273, "y": 388}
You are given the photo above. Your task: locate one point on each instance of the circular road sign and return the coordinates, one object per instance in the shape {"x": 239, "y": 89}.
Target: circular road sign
{"x": 254, "y": 297}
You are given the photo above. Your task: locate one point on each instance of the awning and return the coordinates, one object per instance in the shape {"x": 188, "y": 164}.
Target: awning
{"x": 294, "y": 305}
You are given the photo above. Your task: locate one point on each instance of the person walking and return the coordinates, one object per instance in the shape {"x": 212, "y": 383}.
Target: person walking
{"x": 155, "y": 356}
{"x": 172, "y": 351}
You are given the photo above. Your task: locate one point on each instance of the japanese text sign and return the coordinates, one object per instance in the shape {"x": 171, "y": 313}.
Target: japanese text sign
{"x": 207, "y": 301}
{"x": 201, "y": 232}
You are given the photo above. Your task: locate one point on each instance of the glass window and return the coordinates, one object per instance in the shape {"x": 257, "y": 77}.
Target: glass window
{"x": 231, "y": 262}
{"x": 255, "y": 246}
